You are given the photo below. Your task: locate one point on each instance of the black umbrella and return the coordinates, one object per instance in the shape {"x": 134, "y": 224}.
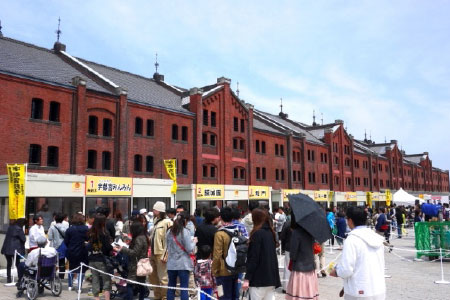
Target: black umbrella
{"x": 309, "y": 215}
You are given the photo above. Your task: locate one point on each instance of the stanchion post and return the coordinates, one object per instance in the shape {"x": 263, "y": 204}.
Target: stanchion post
{"x": 79, "y": 281}
{"x": 442, "y": 281}
{"x": 199, "y": 294}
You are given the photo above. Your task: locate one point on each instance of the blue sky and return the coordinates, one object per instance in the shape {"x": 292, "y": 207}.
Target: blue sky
{"x": 383, "y": 66}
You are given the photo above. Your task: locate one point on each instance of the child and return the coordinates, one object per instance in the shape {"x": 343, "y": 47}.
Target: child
{"x": 202, "y": 272}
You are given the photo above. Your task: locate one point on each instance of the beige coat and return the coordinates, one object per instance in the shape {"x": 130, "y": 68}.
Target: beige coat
{"x": 158, "y": 236}
{"x": 221, "y": 244}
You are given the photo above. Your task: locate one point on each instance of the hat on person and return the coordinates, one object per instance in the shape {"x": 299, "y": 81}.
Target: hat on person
{"x": 135, "y": 212}
{"x": 160, "y": 206}
{"x": 41, "y": 241}
{"x": 143, "y": 211}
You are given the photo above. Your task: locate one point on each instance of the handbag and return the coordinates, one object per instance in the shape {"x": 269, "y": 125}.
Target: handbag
{"x": 191, "y": 255}
{"x": 144, "y": 268}
{"x": 317, "y": 248}
{"x": 384, "y": 227}
{"x": 62, "y": 248}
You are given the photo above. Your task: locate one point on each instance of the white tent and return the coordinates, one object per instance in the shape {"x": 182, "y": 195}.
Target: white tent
{"x": 403, "y": 198}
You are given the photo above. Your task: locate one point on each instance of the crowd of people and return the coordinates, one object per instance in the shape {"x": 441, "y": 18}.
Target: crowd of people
{"x": 222, "y": 251}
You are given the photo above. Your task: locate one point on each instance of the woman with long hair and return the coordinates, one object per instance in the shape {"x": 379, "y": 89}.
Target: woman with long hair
{"x": 99, "y": 247}
{"x": 179, "y": 248}
{"x": 303, "y": 283}
{"x": 74, "y": 239}
{"x": 118, "y": 225}
{"x": 262, "y": 276}
{"x": 137, "y": 250}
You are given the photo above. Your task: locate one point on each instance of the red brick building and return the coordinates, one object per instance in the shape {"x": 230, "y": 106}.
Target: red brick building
{"x": 66, "y": 115}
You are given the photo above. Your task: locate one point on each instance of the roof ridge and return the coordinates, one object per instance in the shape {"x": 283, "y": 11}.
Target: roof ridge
{"x": 115, "y": 69}
{"x": 28, "y": 44}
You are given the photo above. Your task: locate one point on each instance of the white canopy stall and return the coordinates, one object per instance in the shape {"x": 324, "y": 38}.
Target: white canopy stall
{"x": 403, "y": 198}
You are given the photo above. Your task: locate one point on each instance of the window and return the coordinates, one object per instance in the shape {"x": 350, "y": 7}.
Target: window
{"x": 174, "y": 132}
{"x": 277, "y": 174}
{"x": 264, "y": 173}
{"x": 213, "y": 119}
{"x": 235, "y": 144}
{"x": 263, "y": 147}
{"x": 276, "y": 149}
{"x": 366, "y": 181}
{"x": 36, "y": 108}
{"x": 184, "y": 133}
{"x": 281, "y": 150}
{"x": 242, "y": 125}
{"x": 184, "y": 167}
{"x": 138, "y": 163}
{"x": 242, "y": 173}
{"x": 93, "y": 125}
{"x": 258, "y": 173}
{"x": 356, "y": 163}
{"x": 52, "y": 156}
{"x": 299, "y": 178}
{"x": 205, "y": 139}
{"x": 347, "y": 162}
{"x": 205, "y": 171}
{"x": 357, "y": 181}
{"x": 311, "y": 177}
{"x": 336, "y": 160}
{"x": 107, "y": 127}
{"x": 257, "y": 146}
{"x": 213, "y": 172}
{"x": 323, "y": 157}
{"x": 335, "y": 147}
{"x": 241, "y": 144}
{"x": 380, "y": 167}
{"x": 150, "y": 127}
{"x": 236, "y": 124}
{"x": 149, "y": 164}
{"x": 282, "y": 174}
{"x": 35, "y": 154}
{"x": 54, "y": 111}
{"x": 324, "y": 178}
{"x": 106, "y": 160}
{"x": 336, "y": 180}
{"x": 212, "y": 139}
{"x": 348, "y": 181}
{"x": 138, "y": 126}
{"x": 294, "y": 175}
{"x": 92, "y": 159}
{"x": 381, "y": 183}
{"x": 235, "y": 173}
{"x": 205, "y": 117}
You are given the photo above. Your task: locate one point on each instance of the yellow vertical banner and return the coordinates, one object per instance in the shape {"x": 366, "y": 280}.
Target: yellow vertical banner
{"x": 330, "y": 196}
{"x": 388, "y": 198}
{"x": 369, "y": 198}
{"x": 171, "y": 169}
{"x": 16, "y": 181}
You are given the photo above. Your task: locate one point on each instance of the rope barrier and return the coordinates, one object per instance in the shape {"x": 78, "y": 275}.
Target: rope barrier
{"x": 198, "y": 290}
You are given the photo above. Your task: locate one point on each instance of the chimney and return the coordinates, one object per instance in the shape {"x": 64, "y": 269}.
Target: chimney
{"x": 338, "y": 121}
{"x": 222, "y": 80}
{"x": 394, "y": 142}
{"x": 58, "y": 47}
{"x": 158, "y": 77}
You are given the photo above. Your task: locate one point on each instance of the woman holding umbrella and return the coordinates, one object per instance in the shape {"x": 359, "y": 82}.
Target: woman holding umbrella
{"x": 308, "y": 223}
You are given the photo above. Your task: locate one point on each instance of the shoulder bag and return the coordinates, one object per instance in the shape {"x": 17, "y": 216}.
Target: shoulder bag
{"x": 144, "y": 267}
{"x": 191, "y": 255}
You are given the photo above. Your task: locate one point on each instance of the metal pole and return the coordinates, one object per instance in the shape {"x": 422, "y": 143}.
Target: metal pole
{"x": 442, "y": 281}
{"x": 199, "y": 293}
{"x": 79, "y": 281}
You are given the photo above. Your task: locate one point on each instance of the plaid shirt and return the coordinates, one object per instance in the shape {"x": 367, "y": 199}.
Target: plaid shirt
{"x": 203, "y": 275}
{"x": 241, "y": 227}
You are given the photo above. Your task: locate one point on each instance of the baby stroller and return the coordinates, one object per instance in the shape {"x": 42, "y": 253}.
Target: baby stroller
{"x": 120, "y": 265}
{"x": 35, "y": 280}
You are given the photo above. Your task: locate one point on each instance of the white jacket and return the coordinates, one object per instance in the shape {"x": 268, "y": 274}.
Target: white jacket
{"x": 362, "y": 265}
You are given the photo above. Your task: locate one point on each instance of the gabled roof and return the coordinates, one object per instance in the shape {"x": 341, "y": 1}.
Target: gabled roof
{"x": 261, "y": 125}
{"x": 415, "y": 158}
{"x": 282, "y": 124}
{"x": 141, "y": 89}
{"x": 36, "y": 63}
{"x": 319, "y": 131}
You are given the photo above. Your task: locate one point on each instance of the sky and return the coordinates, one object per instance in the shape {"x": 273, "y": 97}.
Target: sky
{"x": 381, "y": 66}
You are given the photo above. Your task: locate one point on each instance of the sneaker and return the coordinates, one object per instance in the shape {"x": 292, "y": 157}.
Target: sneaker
{"x": 69, "y": 288}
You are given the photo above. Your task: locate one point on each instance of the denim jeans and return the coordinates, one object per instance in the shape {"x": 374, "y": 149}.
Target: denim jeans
{"x": 229, "y": 284}
{"x": 184, "y": 282}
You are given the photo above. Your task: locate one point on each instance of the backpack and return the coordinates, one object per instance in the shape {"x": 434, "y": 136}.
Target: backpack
{"x": 237, "y": 252}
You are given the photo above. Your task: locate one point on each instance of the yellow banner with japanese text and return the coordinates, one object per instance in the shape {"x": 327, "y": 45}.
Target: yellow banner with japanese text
{"x": 210, "y": 191}
{"x": 350, "y": 196}
{"x": 388, "y": 197}
{"x": 256, "y": 192}
{"x": 171, "y": 169}
{"x": 16, "y": 180}
{"x": 108, "y": 186}
{"x": 287, "y": 192}
{"x": 321, "y": 195}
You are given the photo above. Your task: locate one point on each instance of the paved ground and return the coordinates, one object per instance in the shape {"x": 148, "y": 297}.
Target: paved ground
{"x": 410, "y": 279}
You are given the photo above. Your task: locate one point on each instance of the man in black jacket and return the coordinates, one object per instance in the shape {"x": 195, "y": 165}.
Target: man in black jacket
{"x": 205, "y": 232}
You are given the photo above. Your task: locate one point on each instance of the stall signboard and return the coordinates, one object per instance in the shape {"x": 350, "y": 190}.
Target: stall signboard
{"x": 350, "y": 196}
{"x": 210, "y": 191}
{"x": 321, "y": 195}
{"x": 16, "y": 180}
{"x": 256, "y": 192}
{"x": 289, "y": 192}
{"x": 108, "y": 186}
